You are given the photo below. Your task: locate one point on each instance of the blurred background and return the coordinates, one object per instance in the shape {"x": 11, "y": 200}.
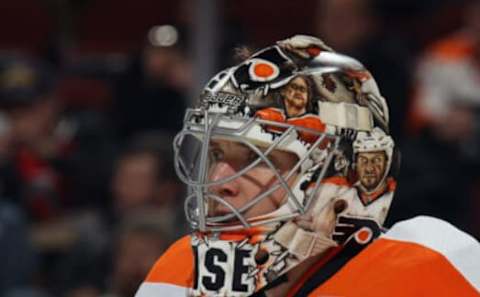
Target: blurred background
{"x": 91, "y": 93}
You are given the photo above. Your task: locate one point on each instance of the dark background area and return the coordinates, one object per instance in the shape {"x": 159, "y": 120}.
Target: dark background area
{"x": 89, "y": 105}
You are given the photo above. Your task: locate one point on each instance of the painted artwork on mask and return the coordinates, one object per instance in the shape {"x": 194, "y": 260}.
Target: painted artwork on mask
{"x": 295, "y": 130}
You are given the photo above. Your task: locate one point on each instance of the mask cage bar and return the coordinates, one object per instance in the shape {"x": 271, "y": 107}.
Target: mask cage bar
{"x": 199, "y": 187}
{"x": 218, "y": 199}
{"x": 223, "y": 132}
{"x": 204, "y": 168}
{"x": 322, "y": 174}
{"x": 281, "y": 182}
{"x": 262, "y": 156}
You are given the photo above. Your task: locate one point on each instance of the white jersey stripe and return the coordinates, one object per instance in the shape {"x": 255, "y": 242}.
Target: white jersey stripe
{"x": 462, "y": 250}
{"x": 148, "y": 289}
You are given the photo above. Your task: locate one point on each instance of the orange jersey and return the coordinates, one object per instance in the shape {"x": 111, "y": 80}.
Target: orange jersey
{"x": 448, "y": 75}
{"x": 423, "y": 256}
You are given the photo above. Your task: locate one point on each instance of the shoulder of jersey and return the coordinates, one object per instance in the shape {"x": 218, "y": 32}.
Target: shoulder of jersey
{"x": 172, "y": 274}
{"x": 423, "y": 256}
{"x": 454, "y": 47}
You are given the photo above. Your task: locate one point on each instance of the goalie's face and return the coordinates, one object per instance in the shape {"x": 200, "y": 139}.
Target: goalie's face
{"x": 229, "y": 157}
{"x": 240, "y": 175}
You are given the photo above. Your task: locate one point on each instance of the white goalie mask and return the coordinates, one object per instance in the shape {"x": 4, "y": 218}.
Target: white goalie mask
{"x": 267, "y": 154}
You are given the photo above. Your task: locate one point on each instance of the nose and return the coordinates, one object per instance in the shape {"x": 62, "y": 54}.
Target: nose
{"x": 299, "y": 94}
{"x": 369, "y": 168}
{"x": 221, "y": 171}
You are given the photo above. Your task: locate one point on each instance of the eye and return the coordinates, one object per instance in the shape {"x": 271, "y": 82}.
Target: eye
{"x": 362, "y": 161}
{"x": 252, "y": 156}
{"x": 216, "y": 155}
{"x": 378, "y": 160}
{"x": 298, "y": 88}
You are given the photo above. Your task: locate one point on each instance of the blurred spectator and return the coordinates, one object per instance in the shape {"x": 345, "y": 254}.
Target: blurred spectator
{"x": 18, "y": 258}
{"x": 81, "y": 269}
{"x": 8, "y": 183}
{"x": 118, "y": 270}
{"x": 52, "y": 152}
{"x": 5, "y": 138}
{"x": 33, "y": 112}
{"x": 139, "y": 243}
{"x": 44, "y": 152}
{"x": 144, "y": 187}
{"x": 150, "y": 94}
{"x": 448, "y": 86}
{"x": 356, "y": 28}
{"x": 444, "y": 157}
{"x": 144, "y": 177}
{"x": 357, "y": 21}
{"x": 87, "y": 166}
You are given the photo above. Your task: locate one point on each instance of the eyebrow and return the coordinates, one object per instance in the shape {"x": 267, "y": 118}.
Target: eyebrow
{"x": 215, "y": 144}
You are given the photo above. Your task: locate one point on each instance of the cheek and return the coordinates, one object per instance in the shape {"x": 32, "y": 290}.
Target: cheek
{"x": 379, "y": 169}
{"x": 265, "y": 176}
{"x": 269, "y": 180}
{"x": 278, "y": 196}
{"x": 264, "y": 181}
{"x": 260, "y": 180}
{"x": 360, "y": 170}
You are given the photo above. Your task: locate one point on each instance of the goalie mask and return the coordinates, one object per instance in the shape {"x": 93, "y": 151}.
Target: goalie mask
{"x": 269, "y": 158}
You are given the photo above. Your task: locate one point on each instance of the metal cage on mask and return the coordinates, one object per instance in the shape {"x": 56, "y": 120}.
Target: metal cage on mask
{"x": 192, "y": 166}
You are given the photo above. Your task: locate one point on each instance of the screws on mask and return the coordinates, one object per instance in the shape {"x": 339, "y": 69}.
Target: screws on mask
{"x": 339, "y": 206}
{"x": 261, "y": 257}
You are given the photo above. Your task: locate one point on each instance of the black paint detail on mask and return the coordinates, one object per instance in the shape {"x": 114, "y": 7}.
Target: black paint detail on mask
{"x": 239, "y": 270}
{"x": 211, "y": 257}
{"x": 273, "y": 55}
{"x": 347, "y": 226}
{"x": 195, "y": 276}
